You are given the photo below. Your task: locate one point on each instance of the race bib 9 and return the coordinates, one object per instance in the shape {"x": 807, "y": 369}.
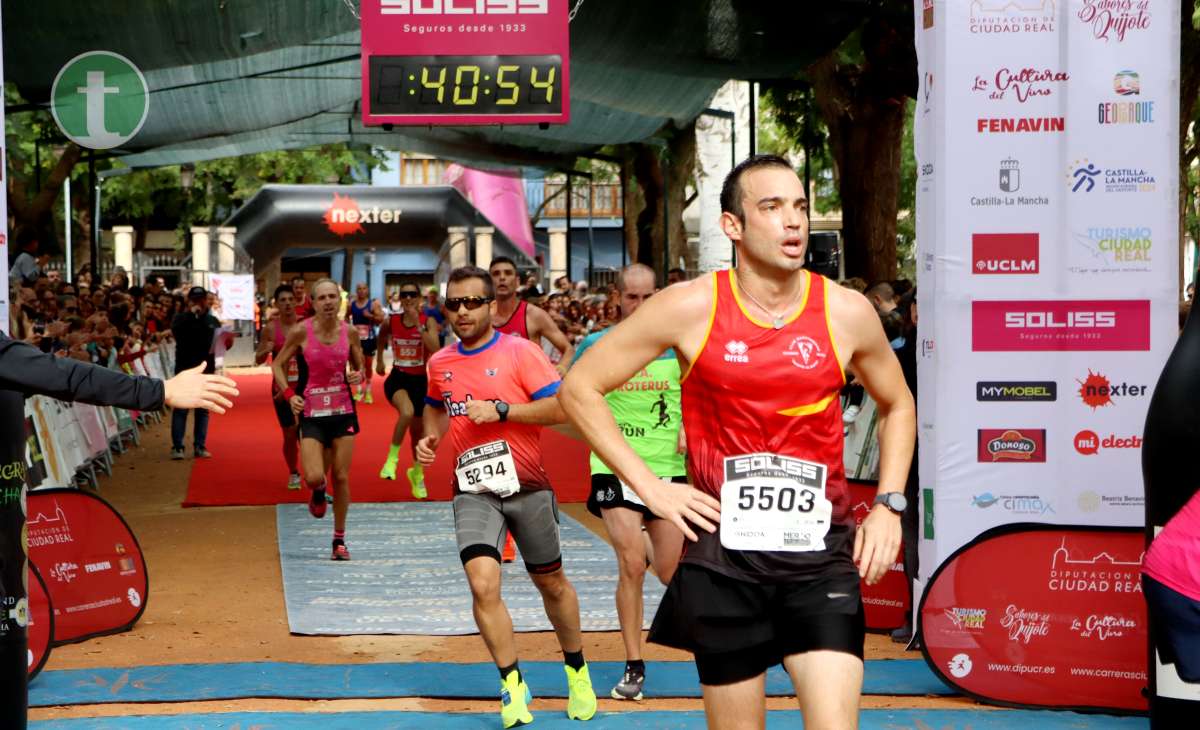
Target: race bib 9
{"x": 774, "y": 503}
{"x": 488, "y": 468}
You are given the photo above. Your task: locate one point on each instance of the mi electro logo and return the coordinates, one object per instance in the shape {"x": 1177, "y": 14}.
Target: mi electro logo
{"x": 1016, "y": 391}
{"x": 464, "y": 7}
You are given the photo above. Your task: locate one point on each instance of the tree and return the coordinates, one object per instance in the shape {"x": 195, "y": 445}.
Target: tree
{"x": 861, "y": 90}
{"x": 1189, "y": 143}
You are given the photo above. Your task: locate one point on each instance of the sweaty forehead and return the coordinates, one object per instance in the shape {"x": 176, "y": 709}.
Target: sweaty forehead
{"x": 771, "y": 182}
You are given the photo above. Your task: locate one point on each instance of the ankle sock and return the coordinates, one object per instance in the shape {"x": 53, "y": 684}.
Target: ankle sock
{"x": 505, "y": 671}
{"x": 393, "y": 452}
{"x": 339, "y": 536}
{"x": 573, "y": 659}
{"x": 636, "y": 666}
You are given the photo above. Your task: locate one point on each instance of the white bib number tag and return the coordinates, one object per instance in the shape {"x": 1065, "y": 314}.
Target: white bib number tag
{"x": 630, "y": 495}
{"x": 488, "y": 468}
{"x": 774, "y": 503}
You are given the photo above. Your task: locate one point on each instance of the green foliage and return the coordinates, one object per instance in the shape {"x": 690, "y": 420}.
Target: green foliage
{"x": 789, "y": 123}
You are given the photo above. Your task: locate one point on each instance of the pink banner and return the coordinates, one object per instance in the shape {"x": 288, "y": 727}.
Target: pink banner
{"x": 501, "y": 197}
{"x": 1064, "y": 326}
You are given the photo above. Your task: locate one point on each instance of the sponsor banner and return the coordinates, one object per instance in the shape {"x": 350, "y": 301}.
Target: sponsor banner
{"x": 1004, "y": 253}
{"x": 40, "y": 631}
{"x": 1067, "y": 630}
{"x": 91, "y": 562}
{"x": 1082, "y": 326}
{"x": 886, "y": 603}
{"x": 1019, "y": 391}
{"x": 1012, "y": 445}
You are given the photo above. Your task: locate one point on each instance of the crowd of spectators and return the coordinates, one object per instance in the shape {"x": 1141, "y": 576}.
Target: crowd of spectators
{"x": 107, "y": 322}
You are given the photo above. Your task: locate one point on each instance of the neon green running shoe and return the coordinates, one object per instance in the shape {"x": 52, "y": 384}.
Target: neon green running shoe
{"x": 389, "y": 469}
{"x": 514, "y": 701}
{"x": 416, "y": 477}
{"x": 581, "y": 702}
{"x": 368, "y": 398}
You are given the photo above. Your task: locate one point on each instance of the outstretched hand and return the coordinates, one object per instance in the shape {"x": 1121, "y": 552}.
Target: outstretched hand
{"x": 193, "y": 389}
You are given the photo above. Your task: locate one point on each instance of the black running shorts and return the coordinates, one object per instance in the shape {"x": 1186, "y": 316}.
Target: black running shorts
{"x": 738, "y": 630}
{"x": 414, "y": 385}
{"x": 606, "y": 493}
{"x": 283, "y": 412}
{"x": 481, "y": 521}
{"x": 368, "y": 347}
{"x": 327, "y": 429}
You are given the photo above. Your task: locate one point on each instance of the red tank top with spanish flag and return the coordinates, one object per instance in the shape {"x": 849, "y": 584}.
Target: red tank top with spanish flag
{"x": 755, "y": 389}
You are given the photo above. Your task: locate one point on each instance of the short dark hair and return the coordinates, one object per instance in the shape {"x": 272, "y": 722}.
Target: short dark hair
{"x": 463, "y": 273}
{"x": 731, "y": 190}
{"x": 413, "y": 284}
{"x": 283, "y": 289}
{"x": 25, "y": 236}
{"x": 502, "y": 260}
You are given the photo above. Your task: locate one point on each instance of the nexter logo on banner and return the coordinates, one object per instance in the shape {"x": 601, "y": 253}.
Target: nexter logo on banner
{"x": 1083, "y": 326}
{"x": 1097, "y": 391}
{"x": 345, "y": 217}
{"x": 1004, "y": 253}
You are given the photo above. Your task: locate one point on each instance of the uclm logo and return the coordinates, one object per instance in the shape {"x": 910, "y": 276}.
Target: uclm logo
{"x": 1004, "y": 253}
{"x": 464, "y": 7}
{"x": 1121, "y": 325}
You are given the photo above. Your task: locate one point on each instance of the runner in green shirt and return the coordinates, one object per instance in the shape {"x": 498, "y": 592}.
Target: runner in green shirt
{"x": 647, "y": 410}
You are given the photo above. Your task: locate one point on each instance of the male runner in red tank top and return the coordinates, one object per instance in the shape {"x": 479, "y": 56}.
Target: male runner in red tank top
{"x": 518, "y": 317}
{"x": 413, "y": 338}
{"x": 269, "y": 344}
{"x": 769, "y": 575}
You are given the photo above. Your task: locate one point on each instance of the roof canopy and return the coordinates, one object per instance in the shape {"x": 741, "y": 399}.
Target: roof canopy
{"x": 280, "y": 217}
{"x": 231, "y": 77}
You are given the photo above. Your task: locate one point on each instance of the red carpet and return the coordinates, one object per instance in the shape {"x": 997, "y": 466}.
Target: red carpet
{"x": 247, "y": 466}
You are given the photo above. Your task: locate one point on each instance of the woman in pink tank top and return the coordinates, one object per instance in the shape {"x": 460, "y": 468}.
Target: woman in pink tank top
{"x": 1171, "y": 580}
{"x": 323, "y": 401}
{"x": 274, "y": 335}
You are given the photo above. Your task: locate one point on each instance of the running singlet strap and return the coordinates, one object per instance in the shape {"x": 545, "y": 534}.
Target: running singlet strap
{"x": 647, "y": 410}
{"x": 762, "y": 405}
{"x": 362, "y": 320}
{"x": 506, "y": 368}
{"x": 293, "y": 369}
{"x": 516, "y": 324}
{"x": 326, "y": 393}
{"x": 408, "y": 349}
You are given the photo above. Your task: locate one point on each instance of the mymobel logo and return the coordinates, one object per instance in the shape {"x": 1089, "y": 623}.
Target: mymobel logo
{"x": 99, "y": 100}
{"x": 1045, "y": 390}
{"x": 464, "y": 7}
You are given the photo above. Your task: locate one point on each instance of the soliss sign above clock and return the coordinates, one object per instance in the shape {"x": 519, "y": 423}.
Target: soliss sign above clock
{"x": 451, "y": 62}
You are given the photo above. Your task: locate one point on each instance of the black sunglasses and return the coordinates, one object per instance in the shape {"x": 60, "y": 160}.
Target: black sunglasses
{"x": 471, "y": 303}
{"x": 409, "y": 294}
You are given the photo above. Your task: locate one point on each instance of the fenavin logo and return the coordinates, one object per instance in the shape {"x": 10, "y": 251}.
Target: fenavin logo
{"x": 1019, "y": 391}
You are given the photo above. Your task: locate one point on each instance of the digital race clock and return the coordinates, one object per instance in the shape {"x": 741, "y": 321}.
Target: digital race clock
{"x": 447, "y": 62}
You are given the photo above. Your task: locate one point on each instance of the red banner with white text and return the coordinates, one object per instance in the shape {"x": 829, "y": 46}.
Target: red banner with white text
{"x": 885, "y": 603}
{"x": 1041, "y": 616}
{"x": 91, "y": 563}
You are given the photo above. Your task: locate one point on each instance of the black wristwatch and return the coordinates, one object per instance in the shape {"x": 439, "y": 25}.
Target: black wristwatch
{"x": 502, "y": 410}
{"x": 894, "y": 501}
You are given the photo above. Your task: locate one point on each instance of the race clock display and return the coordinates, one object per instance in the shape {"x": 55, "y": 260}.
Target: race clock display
{"x": 455, "y": 85}
{"x": 455, "y": 62}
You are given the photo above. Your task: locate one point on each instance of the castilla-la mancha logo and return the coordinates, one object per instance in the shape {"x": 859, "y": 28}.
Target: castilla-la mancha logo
{"x": 344, "y": 216}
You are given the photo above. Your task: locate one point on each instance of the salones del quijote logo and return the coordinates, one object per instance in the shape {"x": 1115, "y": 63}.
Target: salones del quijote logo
{"x": 1115, "y": 20}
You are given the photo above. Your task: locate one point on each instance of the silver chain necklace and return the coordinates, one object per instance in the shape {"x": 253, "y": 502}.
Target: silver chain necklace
{"x": 776, "y": 319}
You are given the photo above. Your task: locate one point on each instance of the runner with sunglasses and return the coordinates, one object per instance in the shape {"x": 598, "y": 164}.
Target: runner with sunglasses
{"x": 492, "y": 393}
{"x": 328, "y": 421}
{"x": 413, "y": 338}
{"x": 518, "y": 317}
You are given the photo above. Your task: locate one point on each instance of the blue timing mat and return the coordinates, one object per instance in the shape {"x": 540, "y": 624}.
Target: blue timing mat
{"x": 190, "y": 682}
{"x": 777, "y": 720}
{"x": 405, "y": 576}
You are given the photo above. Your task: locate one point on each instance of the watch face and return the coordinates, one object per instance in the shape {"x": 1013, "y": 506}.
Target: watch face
{"x": 897, "y": 502}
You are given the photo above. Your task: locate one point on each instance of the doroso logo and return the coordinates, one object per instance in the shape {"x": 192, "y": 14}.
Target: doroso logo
{"x": 1089, "y": 443}
{"x": 1004, "y": 253}
{"x": 1012, "y": 444}
{"x": 1081, "y": 326}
